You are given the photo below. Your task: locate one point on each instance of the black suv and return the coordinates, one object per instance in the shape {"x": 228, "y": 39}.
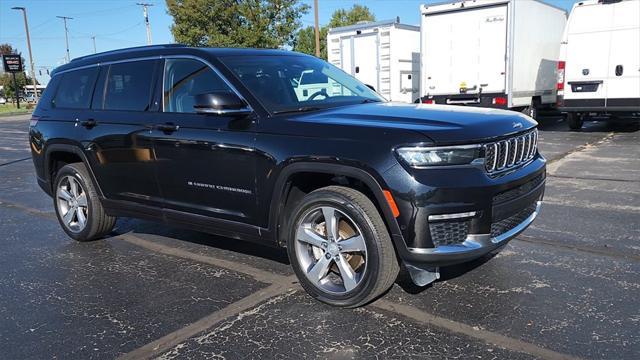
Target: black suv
{"x": 231, "y": 142}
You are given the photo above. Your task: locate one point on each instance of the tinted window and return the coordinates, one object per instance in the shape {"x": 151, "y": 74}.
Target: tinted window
{"x": 186, "y": 78}
{"x": 129, "y": 86}
{"x": 275, "y": 81}
{"x": 75, "y": 89}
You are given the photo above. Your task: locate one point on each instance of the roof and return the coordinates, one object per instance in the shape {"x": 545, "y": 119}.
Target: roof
{"x": 372, "y": 24}
{"x": 167, "y": 50}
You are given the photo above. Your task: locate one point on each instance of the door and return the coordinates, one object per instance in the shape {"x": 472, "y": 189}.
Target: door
{"x": 115, "y": 134}
{"x": 586, "y": 67}
{"x": 365, "y": 59}
{"x": 205, "y": 162}
{"x": 492, "y": 50}
{"x": 465, "y": 49}
{"x": 623, "y": 73}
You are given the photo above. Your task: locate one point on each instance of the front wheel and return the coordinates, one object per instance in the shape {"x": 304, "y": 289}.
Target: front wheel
{"x": 340, "y": 248}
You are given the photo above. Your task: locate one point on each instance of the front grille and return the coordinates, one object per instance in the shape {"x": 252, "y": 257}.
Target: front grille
{"x": 518, "y": 191}
{"x": 502, "y": 226}
{"x": 449, "y": 232}
{"x": 509, "y": 153}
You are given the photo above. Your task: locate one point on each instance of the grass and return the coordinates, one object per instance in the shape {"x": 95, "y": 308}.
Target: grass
{"x": 11, "y": 109}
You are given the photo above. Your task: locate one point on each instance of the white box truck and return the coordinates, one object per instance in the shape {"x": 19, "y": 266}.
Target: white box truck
{"x": 599, "y": 68}
{"x": 384, "y": 55}
{"x": 491, "y": 53}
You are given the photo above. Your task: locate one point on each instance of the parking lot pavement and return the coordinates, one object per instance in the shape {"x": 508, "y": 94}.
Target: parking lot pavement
{"x": 12, "y": 133}
{"x": 568, "y": 287}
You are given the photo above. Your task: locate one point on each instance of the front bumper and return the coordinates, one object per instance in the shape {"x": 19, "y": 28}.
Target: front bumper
{"x": 498, "y": 209}
{"x": 474, "y": 245}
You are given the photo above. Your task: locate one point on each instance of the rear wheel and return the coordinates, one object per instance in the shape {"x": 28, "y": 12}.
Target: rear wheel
{"x": 575, "y": 121}
{"x": 78, "y": 208}
{"x": 340, "y": 248}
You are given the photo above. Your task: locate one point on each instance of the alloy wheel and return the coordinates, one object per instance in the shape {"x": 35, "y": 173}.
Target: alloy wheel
{"x": 331, "y": 250}
{"x": 72, "y": 204}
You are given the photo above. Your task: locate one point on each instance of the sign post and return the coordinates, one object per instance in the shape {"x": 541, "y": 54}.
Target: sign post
{"x": 13, "y": 64}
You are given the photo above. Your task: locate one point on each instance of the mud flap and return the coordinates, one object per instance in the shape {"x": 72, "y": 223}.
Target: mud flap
{"x": 423, "y": 277}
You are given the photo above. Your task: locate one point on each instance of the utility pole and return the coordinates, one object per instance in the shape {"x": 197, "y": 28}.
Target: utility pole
{"x": 145, "y": 7}
{"x": 66, "y": 34}
{"x": 33, "y": 71}
{"x": 94, "y": 43}
{"x": 315, "y": 11}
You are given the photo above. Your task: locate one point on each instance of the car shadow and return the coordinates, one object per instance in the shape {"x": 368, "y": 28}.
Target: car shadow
{"x": 275, "y": 254}
{"x": 253, "y": 249}
{"x": 446, "y": 273}
{"x": 558, "y": 124}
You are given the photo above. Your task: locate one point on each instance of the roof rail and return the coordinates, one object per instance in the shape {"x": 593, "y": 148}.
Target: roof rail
{"x": 118, "y": 51}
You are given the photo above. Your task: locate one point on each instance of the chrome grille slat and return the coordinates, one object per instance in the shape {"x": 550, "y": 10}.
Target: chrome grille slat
{"x": 520, "y": 149}
{"x": 513, "y": 143}
{"x": 511, "y": 152}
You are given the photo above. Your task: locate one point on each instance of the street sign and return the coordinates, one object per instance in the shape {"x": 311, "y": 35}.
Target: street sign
{"x": 12, "y": 63}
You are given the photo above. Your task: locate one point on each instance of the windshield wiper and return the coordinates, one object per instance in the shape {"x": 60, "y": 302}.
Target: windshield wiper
{"x": 300, "y": 109}
{"x": 367, "y": 101}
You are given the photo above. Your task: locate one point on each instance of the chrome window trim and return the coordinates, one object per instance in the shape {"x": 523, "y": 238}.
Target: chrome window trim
{"x": 212, "y": 67}
{"x": 75, "y": 69}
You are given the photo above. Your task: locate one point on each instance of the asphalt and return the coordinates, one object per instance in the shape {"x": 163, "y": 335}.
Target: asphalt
{"x": 566, "y": 288}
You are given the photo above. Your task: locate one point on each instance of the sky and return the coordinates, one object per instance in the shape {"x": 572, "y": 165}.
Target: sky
{"x": 120, "y": 23}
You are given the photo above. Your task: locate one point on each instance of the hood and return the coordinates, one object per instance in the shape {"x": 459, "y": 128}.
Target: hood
{"x": 444, "y": 124}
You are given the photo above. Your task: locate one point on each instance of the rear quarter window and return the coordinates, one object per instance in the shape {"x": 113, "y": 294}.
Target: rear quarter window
{"x": 75, "y": 89}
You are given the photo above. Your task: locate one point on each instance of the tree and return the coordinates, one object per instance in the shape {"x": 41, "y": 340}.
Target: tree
{"x": 6, "y": 79}
{"x": 236, "y": 23}
{"x": 356, "y": 14}
{"x": 306, "y": 41}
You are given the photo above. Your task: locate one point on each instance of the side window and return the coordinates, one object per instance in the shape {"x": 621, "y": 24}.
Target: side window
{"x": 75, "y": 89}
{"x": 186, "y": 78}
{"x": 129, "y": 86}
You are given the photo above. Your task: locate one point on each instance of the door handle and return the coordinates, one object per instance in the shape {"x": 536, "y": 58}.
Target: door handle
{"x": 89, "y": 123}
{"x": 619, "y": 70}
{"x": 168, "y": 128}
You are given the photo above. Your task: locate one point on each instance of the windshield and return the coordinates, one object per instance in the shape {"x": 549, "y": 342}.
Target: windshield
{"x": 297, "y": 83}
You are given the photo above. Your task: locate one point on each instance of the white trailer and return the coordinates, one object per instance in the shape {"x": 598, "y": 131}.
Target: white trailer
{"x": 491, "y": 53}
{"x": 384, "y": 55}
{"x": 599, "y": 69}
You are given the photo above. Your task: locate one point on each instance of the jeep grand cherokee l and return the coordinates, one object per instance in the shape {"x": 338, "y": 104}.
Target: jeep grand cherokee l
{"x": 220, "y": 140}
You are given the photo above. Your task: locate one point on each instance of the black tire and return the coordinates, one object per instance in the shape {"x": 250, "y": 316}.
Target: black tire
{"x": 98, "y": 223}
{"x": 381, "y": 266}
{"x": 575, "y": 121}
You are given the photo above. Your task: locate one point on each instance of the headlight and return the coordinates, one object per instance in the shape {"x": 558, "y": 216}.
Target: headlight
{"x": 439, "y": 156}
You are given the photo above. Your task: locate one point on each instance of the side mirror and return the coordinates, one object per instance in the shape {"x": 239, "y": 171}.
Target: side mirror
{"x": 220, "y": 103}
{"x": 371, "y": 87}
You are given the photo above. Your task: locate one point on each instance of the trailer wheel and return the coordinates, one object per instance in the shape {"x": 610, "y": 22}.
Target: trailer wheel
{"x": 575, "y": 121}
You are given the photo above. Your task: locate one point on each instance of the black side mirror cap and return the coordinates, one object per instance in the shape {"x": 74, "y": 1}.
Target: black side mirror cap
{"x": 220, "y": 103}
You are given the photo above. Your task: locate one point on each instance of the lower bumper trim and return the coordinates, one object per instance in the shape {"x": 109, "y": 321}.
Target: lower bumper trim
{"x": 479, "y": 243}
